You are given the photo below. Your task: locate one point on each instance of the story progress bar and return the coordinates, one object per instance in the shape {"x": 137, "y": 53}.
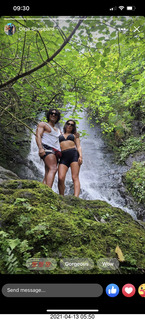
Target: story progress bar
{"x": 74, "y": 311}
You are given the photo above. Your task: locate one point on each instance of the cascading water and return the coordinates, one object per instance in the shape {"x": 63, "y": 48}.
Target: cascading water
{"x": 100, "y": 177}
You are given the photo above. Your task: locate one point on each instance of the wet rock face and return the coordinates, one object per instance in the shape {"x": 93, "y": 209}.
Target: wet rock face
{"x": 138, "y": 128}
{"x": 15, "y": 146}
{"x": 130, "y": 198}
{"x": 138, "y": 157}
{"x": 134, "y": 182}
{"x": 38, "y": 223}
{"x": 7, "y": 175}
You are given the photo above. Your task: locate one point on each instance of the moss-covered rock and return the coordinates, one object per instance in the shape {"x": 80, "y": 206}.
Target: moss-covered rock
{"x": 36, "y": 222}
{"x": 135, "y": 181}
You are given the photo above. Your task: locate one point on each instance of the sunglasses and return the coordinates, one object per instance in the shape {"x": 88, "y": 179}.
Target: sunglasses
{"x": 54, "y": 113}
{"x": 70, "y": 124}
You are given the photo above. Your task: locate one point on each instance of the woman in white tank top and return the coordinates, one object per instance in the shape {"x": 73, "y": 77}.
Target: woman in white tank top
{"x": 47, "y": 138}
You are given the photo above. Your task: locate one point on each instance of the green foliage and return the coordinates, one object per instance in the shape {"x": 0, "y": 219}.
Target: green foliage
{"x": 102, "y": 67}
{"x": 63, "y": 227}
{"x": 14, "y": 253}
{"x": 131, "y": 146}
{"x": 23, "y": 202}
{"x": 101, "y": 70}
{"x": 135, "y": 181}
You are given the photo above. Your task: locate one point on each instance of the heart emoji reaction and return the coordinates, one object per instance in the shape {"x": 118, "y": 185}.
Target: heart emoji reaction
{"x": 128, "y": 290}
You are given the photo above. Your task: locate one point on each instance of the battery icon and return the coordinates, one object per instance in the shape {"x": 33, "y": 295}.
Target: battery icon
{"x": 131, "y": 8}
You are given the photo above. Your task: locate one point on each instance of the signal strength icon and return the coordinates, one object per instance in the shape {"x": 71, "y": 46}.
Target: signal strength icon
{"x": 121, "y": 7}
{"x": 114, "y": 8}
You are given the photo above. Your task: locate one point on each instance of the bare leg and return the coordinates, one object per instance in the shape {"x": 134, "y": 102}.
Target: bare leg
{"x": 46, "y": 173}
{"x": 62, "y": 170}
{"x": 75, "y": 168}
{"x": 50, "y": 169}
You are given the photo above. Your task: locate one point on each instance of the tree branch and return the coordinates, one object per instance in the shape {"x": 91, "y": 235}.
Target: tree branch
{"x": 46, "y": 61}
{"x": 18, "y": 120}
{"x": 59, "y": 29}
{"x": 14, "y": 117}
{"x": 37, "y": 33}
{"x": 119, "y": 51}
{"x": 22, "y": 54}
{"x": 43, "y": 44}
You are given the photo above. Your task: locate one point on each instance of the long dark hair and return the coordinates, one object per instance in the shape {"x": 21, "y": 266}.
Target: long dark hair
{"x": 48, "y": 114}
{"x": 74, "y": 129}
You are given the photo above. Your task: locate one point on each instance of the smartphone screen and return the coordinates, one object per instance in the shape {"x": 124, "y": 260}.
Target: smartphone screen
{"x": 72, "y": 162}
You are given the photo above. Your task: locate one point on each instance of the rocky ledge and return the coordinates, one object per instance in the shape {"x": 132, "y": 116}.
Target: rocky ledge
{"x": 7, "y": 175}
{"x": 38, "y": 223}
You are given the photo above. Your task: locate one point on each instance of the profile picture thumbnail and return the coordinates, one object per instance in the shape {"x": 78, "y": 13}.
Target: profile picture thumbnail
{"x": 9, "y": 29}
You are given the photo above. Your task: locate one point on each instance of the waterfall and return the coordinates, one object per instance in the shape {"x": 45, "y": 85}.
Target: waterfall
{"x": 100, "y": 177}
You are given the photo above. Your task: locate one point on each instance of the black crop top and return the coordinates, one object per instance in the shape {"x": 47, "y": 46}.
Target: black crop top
{"x": 69, "y": 137}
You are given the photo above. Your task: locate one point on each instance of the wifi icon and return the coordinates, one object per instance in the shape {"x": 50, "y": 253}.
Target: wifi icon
{"x": 121, "y": 7}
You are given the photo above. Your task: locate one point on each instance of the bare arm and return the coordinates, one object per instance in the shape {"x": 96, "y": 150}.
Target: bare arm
{"x": 39, "y": 133}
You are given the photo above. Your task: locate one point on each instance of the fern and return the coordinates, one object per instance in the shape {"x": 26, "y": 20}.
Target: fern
{"x": 13, "y": 254}
{"x": 12, "y": 262}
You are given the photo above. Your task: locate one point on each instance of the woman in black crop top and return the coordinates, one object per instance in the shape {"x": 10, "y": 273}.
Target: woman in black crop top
{"x": 71, "y": 157}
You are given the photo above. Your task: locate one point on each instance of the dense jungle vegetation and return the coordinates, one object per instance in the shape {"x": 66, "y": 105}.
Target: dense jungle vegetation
{"x": 38, "y": 223}
{"x": 92, "y": 63}
{"x": 95, "y": 64}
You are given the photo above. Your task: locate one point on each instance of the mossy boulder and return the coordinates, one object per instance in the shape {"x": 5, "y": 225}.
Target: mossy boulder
{"x": 38, "y": 223}
{"x": 135, "y": 181}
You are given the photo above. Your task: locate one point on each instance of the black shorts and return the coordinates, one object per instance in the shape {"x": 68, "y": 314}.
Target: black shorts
{"x": 50, "y": 150}
{"x": 69, "y": 156}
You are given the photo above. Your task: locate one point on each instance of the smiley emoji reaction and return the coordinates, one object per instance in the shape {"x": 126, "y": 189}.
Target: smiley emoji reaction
{"x": 141, "y": 290}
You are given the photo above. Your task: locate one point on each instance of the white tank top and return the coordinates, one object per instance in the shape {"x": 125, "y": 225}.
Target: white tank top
{"x": 51, "y": 139}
